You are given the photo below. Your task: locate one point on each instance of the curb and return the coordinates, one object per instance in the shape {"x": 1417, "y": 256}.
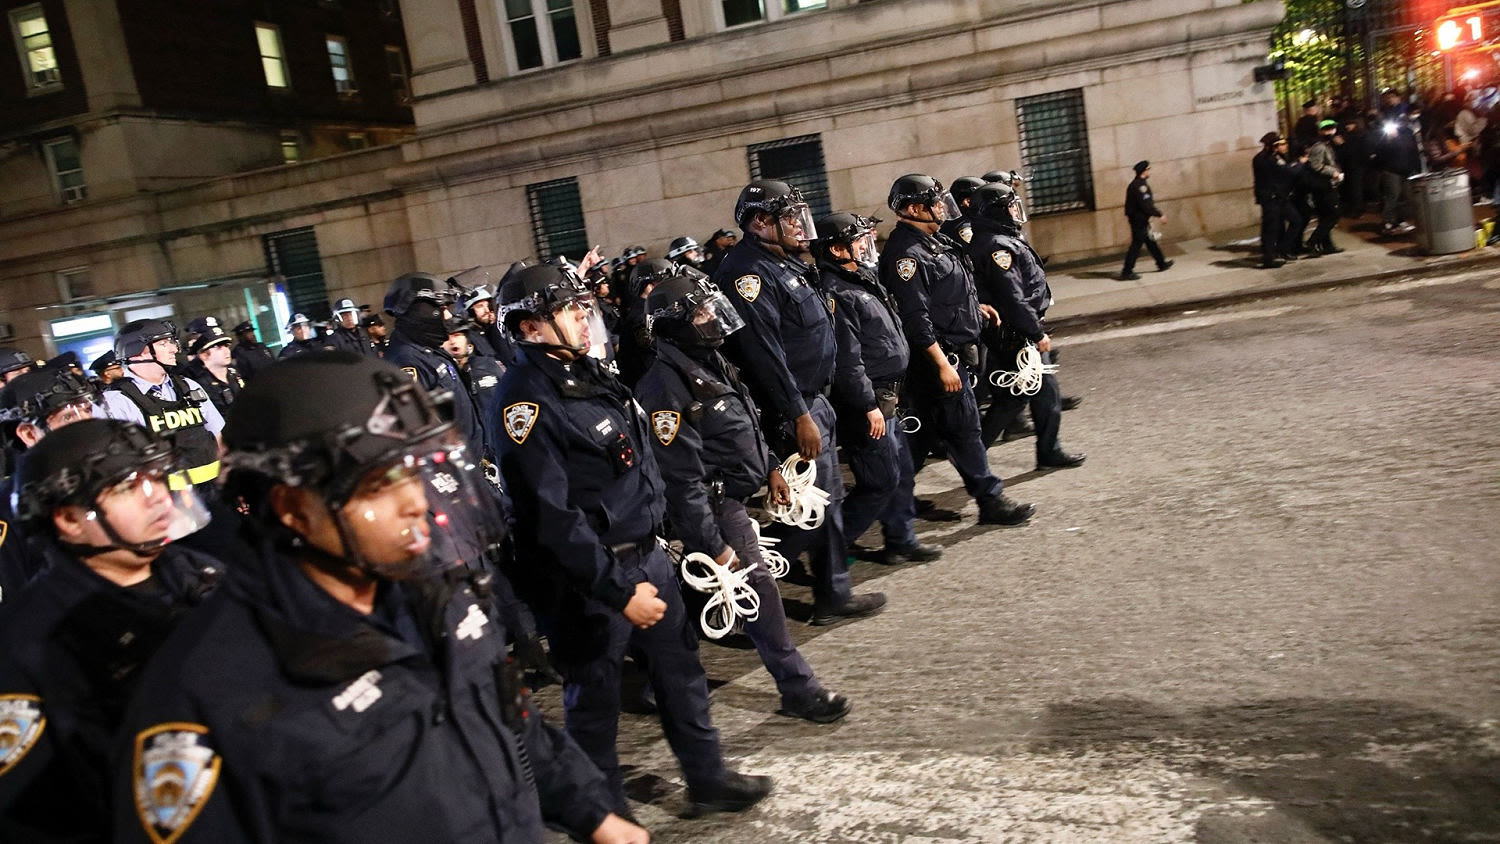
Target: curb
{"x": 1154, "y": 310}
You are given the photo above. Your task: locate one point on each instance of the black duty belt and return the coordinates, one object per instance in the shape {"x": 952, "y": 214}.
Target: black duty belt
{"x": 889, "y": 386}
{"x": 638, "y": 548}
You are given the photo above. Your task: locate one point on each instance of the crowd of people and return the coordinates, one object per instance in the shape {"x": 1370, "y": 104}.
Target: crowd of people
{"x": 1338, "y": 159}
{"x": 303, "y": 596}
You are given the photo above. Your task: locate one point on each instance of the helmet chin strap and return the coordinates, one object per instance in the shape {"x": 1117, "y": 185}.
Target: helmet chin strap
{"x": 140, "y": 549}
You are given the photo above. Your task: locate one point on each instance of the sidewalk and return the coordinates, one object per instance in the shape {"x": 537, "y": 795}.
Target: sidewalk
{"x": 1223, "y": 267}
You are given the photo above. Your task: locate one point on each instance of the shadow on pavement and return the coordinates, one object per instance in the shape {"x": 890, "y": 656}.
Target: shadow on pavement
{"x": 1353, "y": 770}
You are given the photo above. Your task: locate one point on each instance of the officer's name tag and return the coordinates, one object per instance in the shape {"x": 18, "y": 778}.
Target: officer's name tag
{"x": 360, "y": 694}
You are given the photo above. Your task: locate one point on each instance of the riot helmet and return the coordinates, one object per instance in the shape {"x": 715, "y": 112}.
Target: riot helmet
{"x": 854, "y": 232}
{"x": 963, "y": 189}
{"x": 688, "y": 310}
{"x": 1014, "y": 181}
{"x": 999, "y": 202}
{"x": 919, "y": 189}
{"x": 49, "y": 397}
{"x": 13, "y": 362}
{"x": 685, "y": 250}
{"x": 792, "y": 218}
{"x": 419, "y": 302}
{"x": 119, "y": 476}
{"x": 558, "y": 298}
{"x": 346, "y": 313}
{"x": 648, "y": 272}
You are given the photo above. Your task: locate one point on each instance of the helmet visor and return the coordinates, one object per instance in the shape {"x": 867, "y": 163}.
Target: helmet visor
{"x": 945, "y": 207}
{"x": 864, "y": 249}
{"x": 149, "y": 508}
{"x": 1018, "y": 209}
{"x": 580, "y": 326}
{"x": 796, "y": 222}
{"x": 417, "y": 513}
{"x": 714, "y": 318}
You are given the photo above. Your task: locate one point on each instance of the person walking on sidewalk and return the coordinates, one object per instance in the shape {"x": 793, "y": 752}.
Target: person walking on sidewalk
{"x": 1279, "y": 221}
{"x": 1139, "y": 209}
{"x": 1323, "y": 178}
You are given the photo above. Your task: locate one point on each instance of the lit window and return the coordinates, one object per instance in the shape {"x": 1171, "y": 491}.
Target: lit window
{"x": 542, "y": 32}
{"x": 557, "y": 219}
{"x": 67, "y": 169}
{"x": 395, "y": 66}
{"x": 740, "y": 12}
{"x": 338, "y": 59}
{"x": 272, "y": 60}
{"x": 1055, "y": 152}
{"x": 357, "y": 140}
{"x": 34, "y": 45}
{"x": 291, "y": 148}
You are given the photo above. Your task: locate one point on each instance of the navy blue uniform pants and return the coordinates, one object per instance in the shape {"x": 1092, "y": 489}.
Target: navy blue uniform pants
{"x": 1046, "y": 409}
{"x": 883, "y": 483}
{"x": 954, "y": 419}
{"x": 1140, "y": 236}
{"x": 825, "y": 545}
{"x": 591, "y": 686}
{"x": 794, "y": 677}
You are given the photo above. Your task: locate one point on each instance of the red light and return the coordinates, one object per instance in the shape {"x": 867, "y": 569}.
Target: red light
{"x": 1465, "y": 31}
{"x": 441, "y": 519}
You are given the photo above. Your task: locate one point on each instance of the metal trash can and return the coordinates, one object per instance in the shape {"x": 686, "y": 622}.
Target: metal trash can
{"x": 1445, "y": 215}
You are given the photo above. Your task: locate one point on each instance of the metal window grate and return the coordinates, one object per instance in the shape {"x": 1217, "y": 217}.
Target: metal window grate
{"x": 557, "y": 219}
{"x": 293, "y": 255}
{"x": 799, "y": 163}
{"x": 1055, "y": 152}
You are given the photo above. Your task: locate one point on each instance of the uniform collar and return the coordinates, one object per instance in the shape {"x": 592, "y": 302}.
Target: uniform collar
{"x": 579, "y": 379}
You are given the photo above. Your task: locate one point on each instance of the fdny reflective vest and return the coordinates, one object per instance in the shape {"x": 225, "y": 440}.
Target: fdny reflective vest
{"x": 181, "y": 422}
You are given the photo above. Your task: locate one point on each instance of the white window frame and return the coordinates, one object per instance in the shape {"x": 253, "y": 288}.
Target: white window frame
{"x": 73, "y": 193}
{"x": 65, "y": 284}
{"x": 771, "y": 11}
{"x": 548, "y": 40}
{"x": 352, "y": 83}
{"x": 33, "y": 87}
{"x": 280, "y": 57}
{"x": 402, "y": 91}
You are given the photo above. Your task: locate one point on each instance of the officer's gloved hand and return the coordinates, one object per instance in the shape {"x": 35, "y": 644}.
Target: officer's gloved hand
{"x": 809, "y": 438}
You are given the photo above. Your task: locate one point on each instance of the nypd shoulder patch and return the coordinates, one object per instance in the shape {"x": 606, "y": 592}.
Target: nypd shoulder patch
{"x": 665, "y": 424}
{"x": 173, "y": 773}
{"x": 21, "y": 724}
{"x": 519, "y": 418}
{"x": 906, "y": 268}
{"x": 1002, "y": 258}
{"x": 4, "y": 529}
{"x": 412, "y": 371}
{"x": 966, "y": 233}
{"x": 748, "y": 286}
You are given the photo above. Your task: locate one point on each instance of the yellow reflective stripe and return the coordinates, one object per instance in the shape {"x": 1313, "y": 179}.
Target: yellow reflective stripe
{"x": 196, "y": 475}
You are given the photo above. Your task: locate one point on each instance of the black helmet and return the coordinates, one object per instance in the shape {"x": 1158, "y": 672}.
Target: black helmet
{"x": 321, "y": 420}
{"x": 1004, "y": 177}
{"x": 768, "y": 195}
{"x": 922, "y": 190}
{"x": 13, "y": 359}
{"x": 844, "y": 227}
{"x": 136, "y": 336}
{"x": 200, "y": 326}
{"x": 77, "y": 464}
{"x": 537, "y": 292}
{"x": 45, "y": 390}
{"x": 104, "y": 361}
{"x": 414, "y": 287}
{"x": 964, "y": 186}
{"x": 997, "y": 201}
{"x": 648, "y": 272}
{"x": 681, "y": 246}
{"x": 687, "y": 309}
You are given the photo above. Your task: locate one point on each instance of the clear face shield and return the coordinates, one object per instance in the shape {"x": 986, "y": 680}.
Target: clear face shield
{"x": 795, "y": 225}
{"x": 866, "y": 254}
{"x": 714, "y": 318}
{"x": 147, "y": 509}
{"x": 418, "y": 513}
{"x": 944, "y": 207}
{"x": 580, "y": 326}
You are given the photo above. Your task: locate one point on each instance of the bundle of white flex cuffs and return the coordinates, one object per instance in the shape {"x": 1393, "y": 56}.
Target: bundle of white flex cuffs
{"x": 1027, "y": 379}
{"x": 731, "y": 599}
{"x": 808, "y": 502}
{"x": 774, "y": 562}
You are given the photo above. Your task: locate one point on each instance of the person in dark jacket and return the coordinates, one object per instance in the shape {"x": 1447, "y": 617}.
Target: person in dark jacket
{"x": 1397, "y": 157}
{"x": 1355, "y": 157}
{"x": 419, "y": 302}
{"x": 713, "y": 457}
{"x": 96, "y": 504}
{"x": 1140, "y": 207}
{"x": 346, "y": 684}
{"x": 346, "y": 333}
{"x": 1275, "y": 174}
{"x": 210, "y": 366}
{"x": 251, "y": 357}
{"x": 305, "y": 338}
{"x": 1323, "y": 177}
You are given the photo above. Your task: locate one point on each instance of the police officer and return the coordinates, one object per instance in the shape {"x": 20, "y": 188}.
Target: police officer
{"x": 634, "y": 349}
{"x": 379, "y": 335}
{"x": 347, "y": 685}
{"x": 487, "y": 338}
{"x": 305, "y": 338}
{"x": 210, "y": 366}
{"x": 95, "y": 502}
{"x": 588, "y": 500}
{"x": 867, "y": 389}
{"x": 251, "y": 356}
{"x": 419, "y": 302}
{"x": 13, "y": 364}
{"x": 628, "y": 260}
{"x": 713, "y": 457}
{"x": 347, "y": 333}
{"x": 962, "y": 189}
{"x": 1011, "y": 274}
{"x": 787, "y": 353}
{"x": 43, "y": 400}
{"x": 480, "y": 373}
{"x": 714, "y": 249}
{"x": 1275, "y": 174}
{"x": 106, "y": 368}
{"x": 685, "y": 250}
{"x": 1139, "y": 209}
{"x": 931, "y": 278}
{"x": 154, "y": 395}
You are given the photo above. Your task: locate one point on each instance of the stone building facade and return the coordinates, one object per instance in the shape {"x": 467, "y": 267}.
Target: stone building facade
{"x": 547, "y": 126}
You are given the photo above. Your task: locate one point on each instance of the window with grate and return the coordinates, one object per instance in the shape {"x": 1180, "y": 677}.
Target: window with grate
{"x": 1055, "y": 152}
{"x": 557, "y": 219}
{"x": 33, "y": 37}
{"x": 799, "y": 163}
{"x": 338, "y": 60}
{"x": 272, "y": 59}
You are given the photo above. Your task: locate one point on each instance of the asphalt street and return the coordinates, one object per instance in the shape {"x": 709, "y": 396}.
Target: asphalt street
{"x": 1266, "y": 609}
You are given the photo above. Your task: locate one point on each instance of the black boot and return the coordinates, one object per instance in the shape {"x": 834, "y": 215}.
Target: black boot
{"x": 735, "y": 793}
{"x": 999, "y": 510}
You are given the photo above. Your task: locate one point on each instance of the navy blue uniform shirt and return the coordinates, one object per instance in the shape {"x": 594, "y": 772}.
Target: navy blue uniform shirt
{"x": 434, "y": 369}
{"x": 1011, "y": 276}
{"x": 873, "y": 332}
{"x": 932, "y": 281}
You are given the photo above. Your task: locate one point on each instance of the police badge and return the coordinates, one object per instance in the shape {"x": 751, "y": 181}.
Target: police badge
{"x": 412, "y": 371}
{"x": 966, "y": 233}
{"x": 519, "y": 418}
{"x": 748, "y": 287}
{"x": 906, "y": 268}
{"x": 173, "y": 773}
{"x": 1001, "y": 258}
{"x": 21, "y": 724}
{"x": 664, "y": 423}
